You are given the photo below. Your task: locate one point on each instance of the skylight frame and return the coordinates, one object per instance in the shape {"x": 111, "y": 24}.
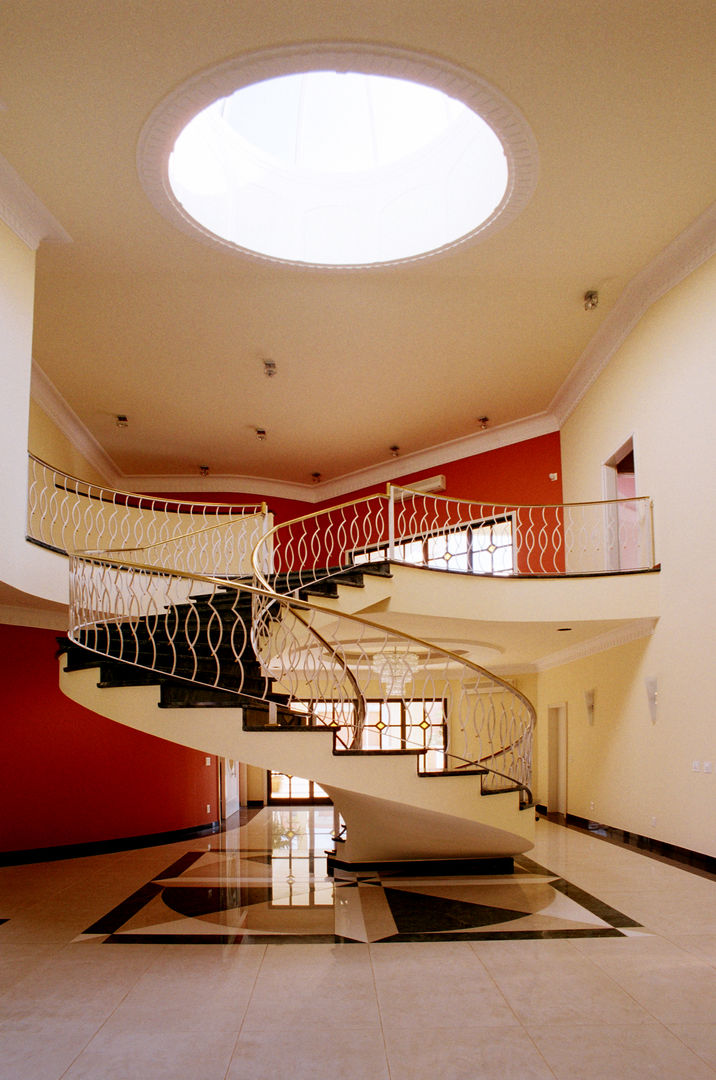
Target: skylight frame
{"x": 164, "y": 125}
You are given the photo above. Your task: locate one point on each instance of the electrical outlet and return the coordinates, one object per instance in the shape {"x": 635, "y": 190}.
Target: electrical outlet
{"x": 207, "y": 761}
{"x": 708, "y": 767}
{"x": 591, "y": 806}
{"x": 208, "y": 809}
{"x": 696, "y": 766}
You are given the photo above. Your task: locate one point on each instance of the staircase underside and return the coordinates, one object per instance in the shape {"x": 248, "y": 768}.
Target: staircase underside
{"x": 428, "y": 819}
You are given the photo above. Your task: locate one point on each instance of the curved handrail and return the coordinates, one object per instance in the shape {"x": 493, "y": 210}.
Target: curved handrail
{"x": 125, "y": 599}
{"x": 472, "y": 536}
{"x": 122, "y": 607}
{"x": 66, "y": 513}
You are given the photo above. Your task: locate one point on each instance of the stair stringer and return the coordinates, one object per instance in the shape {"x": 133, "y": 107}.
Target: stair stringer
{"x": 391, "y": 811}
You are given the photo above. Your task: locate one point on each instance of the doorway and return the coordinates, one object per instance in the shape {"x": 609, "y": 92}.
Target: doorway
{"x": 283, "y": 788}
{"x": 623, "y": 527}
{"x": 557, "y": 759}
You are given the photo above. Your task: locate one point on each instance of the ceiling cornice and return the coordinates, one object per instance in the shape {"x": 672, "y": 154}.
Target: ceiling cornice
{"x": 384, "y": 472}
{"x": 23, "y": 212}
{"x": 620, "y": 635}
{"x": 686, "y": 253}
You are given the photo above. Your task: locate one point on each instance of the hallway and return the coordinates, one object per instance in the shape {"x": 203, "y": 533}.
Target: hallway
{"x": 593, "y": 961}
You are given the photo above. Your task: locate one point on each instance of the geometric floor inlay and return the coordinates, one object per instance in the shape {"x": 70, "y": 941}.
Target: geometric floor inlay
{"x": 267, "y": 884}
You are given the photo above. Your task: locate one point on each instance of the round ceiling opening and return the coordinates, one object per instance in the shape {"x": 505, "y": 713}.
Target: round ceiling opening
{"x": 352, "y": 159}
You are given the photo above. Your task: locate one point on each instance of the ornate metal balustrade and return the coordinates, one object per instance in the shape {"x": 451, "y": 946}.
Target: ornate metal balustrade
{"x": 308, "y": 665}
{"x": 168, "y": 601}
{"x": 468, "y": 536}
{"x": 67, "y": 514}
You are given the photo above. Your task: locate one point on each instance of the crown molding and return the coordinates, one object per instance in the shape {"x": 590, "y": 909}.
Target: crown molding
{"x": 385, "y": 472}
{"x": 686, "y": 253}
{"x": 620, "y": 635}
{"x": 45, "y": 394}
{"x": 23, "y": 212}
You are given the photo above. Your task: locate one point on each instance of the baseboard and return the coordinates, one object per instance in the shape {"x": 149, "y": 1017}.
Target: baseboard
{"x": 695, "y": 861}
{"x": 105, "y": 847}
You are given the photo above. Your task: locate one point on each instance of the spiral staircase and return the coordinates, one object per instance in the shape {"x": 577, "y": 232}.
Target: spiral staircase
{"x": 210, "y": 627}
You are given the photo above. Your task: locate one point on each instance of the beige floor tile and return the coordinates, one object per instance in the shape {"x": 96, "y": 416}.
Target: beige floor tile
{"x": 153, "y": 1052}
{"x": 39, "y": 1048}
{"x": 312, "y": 1052}
{"x": 629, "y": 1052}
{"x": 194, "y": 987}
{"x": 436, "y": 983}
{"x": 556, "y": 995}
{"x": 302, "y": 981}
{"x": 84, "y": 980}
{"x": 19, "y": 961}
{"x": 464, "y": 1054}
{"x": 701, "y": 1038}
{"x": 701, "y": 945}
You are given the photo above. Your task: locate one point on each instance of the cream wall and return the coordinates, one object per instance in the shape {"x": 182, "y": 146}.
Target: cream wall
{"x": 660, "y": 389}
{"x": 49, "y": 443}
{"x": 22, "y": 566}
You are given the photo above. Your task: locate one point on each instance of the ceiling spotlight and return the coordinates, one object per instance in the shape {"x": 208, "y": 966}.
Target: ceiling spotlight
{"x": 269, "y": 368}
{"x": 394, "y": 451}
{"x": 121, "y": 420}
{"x": 204, "y": 470}
{"x": 483, "y": 421}
{"x": 591, "y": 299}
{"x": 261, "y": 434}
{"x": 315, "y": 476}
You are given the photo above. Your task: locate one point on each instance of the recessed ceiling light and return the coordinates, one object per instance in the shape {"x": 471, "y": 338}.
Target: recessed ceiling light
{"x": 338, "y": 156}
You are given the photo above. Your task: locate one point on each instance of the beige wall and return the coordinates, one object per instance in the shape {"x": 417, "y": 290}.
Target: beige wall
{"x": 49, "y": 443}
{"x": 660, "y": 388}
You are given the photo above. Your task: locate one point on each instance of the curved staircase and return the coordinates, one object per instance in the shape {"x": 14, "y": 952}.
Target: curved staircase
{"x": 426, "y": 755}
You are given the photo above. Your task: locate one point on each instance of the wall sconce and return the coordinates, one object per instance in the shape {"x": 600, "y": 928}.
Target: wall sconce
{"x": 261, "y": 434}
{"x": 591, "y": 300}
{"x": 589, "y": 703}
{"x": 652, "y": 696}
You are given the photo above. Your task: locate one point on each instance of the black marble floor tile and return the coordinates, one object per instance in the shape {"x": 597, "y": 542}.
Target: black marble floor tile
{"x": 240, "y": 893}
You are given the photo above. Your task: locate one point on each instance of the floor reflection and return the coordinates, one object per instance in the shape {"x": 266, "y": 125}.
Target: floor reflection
{"x": 267, "y": 882}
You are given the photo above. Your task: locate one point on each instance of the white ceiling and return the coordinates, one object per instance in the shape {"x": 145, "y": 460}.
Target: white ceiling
{"x": 134, "y": 316}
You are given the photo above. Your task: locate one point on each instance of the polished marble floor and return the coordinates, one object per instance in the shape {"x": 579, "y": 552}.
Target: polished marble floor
{"x": 238, "y": 958}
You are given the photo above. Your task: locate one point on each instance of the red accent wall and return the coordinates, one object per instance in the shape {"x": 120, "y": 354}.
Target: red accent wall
{"x": 69, "y": 776}
{"x": 517, "y": 474}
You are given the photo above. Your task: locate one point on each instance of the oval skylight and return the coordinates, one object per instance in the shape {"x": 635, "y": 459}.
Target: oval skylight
{"x": 338, "y": 169}
{"x": 337, "y": 155}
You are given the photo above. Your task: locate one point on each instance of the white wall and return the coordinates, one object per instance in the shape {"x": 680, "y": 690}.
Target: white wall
{"x": 659, "y": 388}
{"x": 22, "y": 566}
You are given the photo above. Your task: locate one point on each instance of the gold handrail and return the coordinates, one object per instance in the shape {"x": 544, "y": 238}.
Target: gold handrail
{"x": 296, "y": 605}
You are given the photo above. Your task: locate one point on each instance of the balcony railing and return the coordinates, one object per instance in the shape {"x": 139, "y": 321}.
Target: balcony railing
{"x": 459, "y": 535}
{"x": 67, "y": 514}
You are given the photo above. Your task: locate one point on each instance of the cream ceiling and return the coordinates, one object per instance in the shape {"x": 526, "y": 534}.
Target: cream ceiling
{"x": 135, "y": 317}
